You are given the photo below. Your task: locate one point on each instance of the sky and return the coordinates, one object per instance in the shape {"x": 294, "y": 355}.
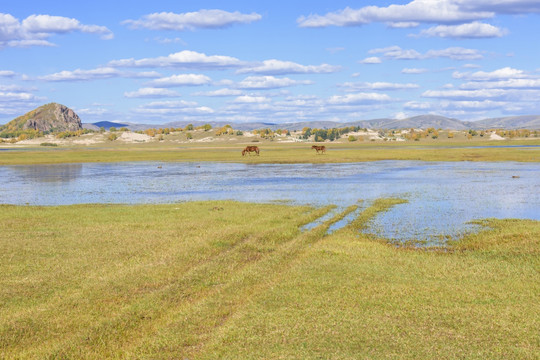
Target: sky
{"x": 155, "y": 62}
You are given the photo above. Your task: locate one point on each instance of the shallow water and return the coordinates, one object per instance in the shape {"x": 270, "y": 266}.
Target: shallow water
{"x": 442, "y": 196}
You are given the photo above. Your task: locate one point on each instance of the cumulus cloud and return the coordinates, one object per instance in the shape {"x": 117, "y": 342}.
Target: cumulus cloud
{"x": 181, "y": 80}
{"x": 96, "y": 74}
{"x": 499, "y": 74}
{"x": 269, "y": 82}
{"x": 149, "y": 92}
{"x": 351, "y": 86}
{"x": 474, "y": 30}
{"x": 421, "y": 11}
{"x": 372, "y": 60}
{"x": 182, "y": 60}
{"x": 202, "y": 19}
{"x": 249, "y": 99}
{"x": 455, "y": 53}
{"x": 417, "y": 11}
{"x": 35, "y": 30}
{"x": 278, "y": 67}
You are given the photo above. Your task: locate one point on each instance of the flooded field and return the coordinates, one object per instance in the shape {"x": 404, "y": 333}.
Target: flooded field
{"x": 442, "y": 196}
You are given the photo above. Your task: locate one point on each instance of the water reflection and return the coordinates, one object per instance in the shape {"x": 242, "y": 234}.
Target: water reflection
{"x": 442, "y": 196}
{"x": 50, "y": 173}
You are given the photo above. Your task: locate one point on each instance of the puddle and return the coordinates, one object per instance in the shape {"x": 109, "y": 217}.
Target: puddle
{"x": 443, "y": 197}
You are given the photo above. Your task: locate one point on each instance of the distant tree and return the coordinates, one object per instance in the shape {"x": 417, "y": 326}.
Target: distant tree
{"x": 207, "y": 127}
{"x": 124, "y": 129}
{"x": 189, "y": 136}
{"x": 112, "y": 129}
{"x": 189, "y": 127}
{"x": 352, "y": 138}
{"x": 102, "y": 129}
{"x": 112, "y": 137}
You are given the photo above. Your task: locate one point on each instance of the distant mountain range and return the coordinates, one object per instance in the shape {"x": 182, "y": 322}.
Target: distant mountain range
{"x": 57, "y": 117}
{"x": 531, "y": 122}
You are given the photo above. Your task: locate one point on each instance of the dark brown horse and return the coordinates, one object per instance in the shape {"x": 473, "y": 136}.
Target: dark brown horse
{"x": 321, "y": 149}
{"x": 250, "y": 149}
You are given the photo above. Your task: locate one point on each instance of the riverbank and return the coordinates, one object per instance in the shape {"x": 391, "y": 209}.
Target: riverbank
{"x": 280, "y": 153}
{"x": 238, "y": 280}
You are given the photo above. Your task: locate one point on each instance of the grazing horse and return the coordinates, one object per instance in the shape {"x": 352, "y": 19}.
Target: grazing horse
{"x": 250, "y": 149}
{"x": 321, "y": 149}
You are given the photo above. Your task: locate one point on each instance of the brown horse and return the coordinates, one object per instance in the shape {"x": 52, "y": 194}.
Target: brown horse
{"x": 321, "y": 149}
{"x": 250, "y": 149}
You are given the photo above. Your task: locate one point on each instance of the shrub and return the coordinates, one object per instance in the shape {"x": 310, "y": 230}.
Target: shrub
{"x": 189, "y": 136}
{"x": 48, "y": 144}
{"x": 112, "y": 137}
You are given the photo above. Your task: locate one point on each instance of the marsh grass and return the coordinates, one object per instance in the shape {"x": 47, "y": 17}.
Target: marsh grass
{"x": 231, "y": 280}
{"x": 272, "y": 152}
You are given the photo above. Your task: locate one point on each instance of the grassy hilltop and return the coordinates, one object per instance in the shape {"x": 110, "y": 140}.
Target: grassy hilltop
{"x": 227, "y": 280}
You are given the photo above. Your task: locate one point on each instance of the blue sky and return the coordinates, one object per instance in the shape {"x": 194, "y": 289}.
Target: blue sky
{"x": 243, "y": 61}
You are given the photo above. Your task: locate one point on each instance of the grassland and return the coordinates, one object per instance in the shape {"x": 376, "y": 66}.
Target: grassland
{"x": 275, "y": 152}
{"x": 228, "y": 280}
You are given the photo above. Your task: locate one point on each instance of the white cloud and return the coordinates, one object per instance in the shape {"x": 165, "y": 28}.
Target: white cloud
{"x": 92, "y": 112}
{"x": 504, "y": 84}
{"x": 182, "y": 60}
{"x": 149, "y": 92}
{"x": 465, "y": 94}
{"x": 16, "y": 96}
{"x": 400, "y": 116}
{"x": 416, "y": 105}
{"x": 359, "y": 99}
{"x": 269, "y": 82}
{"x": 350, "y": 86}
{"x": 35, "y": 30}
{"x": 473, "y": 105}
{"x": 219, "y": 92}
{"x": 456, "y": 53}
{"x": 395, "y": 52}
{"x": 7, "y": 73}
{"x": 96, "y": 74}
{"x": 417, "y": 11}
{"x": 14, "y": 88}
{"x": 181, "y": 80}
{"x": 249, "y": 99}
{"x": 472, "y": 30}
{"x": 202, "y": 19}
{"x": 278, "y": 67}
{"x": 414, "y": 71}
{"x": 499, "y": 74}
{"x": 421, "y": 11}
{"x": 159, "y": 108}
{"x": 372, "y": 60}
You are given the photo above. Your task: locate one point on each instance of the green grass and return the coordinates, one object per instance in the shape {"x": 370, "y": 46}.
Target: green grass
{"x": 229, "y": 280}
{"x": 273, "y": 152}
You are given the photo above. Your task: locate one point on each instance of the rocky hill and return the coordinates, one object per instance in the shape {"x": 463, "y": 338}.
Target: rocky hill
{"x": 47, "y": 118}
